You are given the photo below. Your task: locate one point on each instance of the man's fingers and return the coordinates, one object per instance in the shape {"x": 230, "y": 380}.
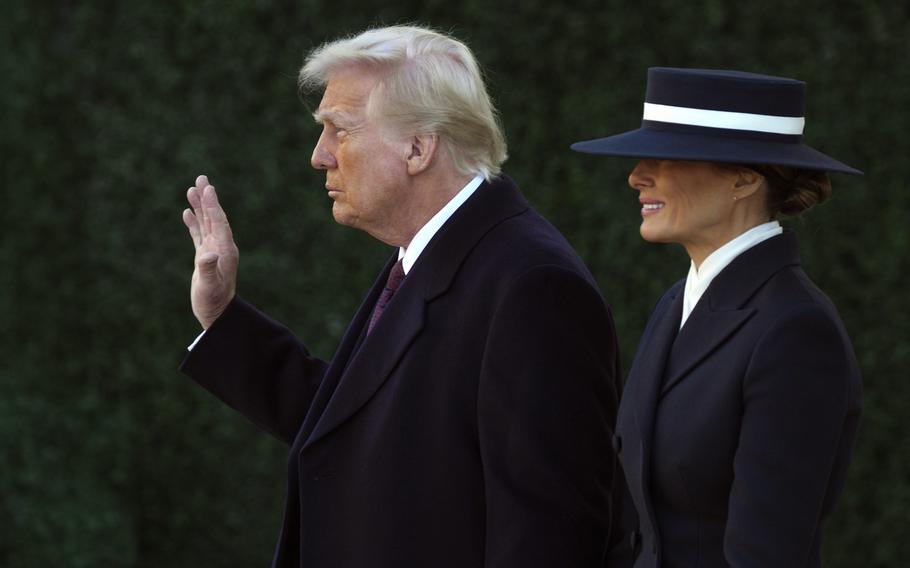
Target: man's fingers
{"x": 215, "y": 216}
{"x": 194, "y": 199}
{"x": 194, "y": 196}
{"x": 209, "y": 208}
{"x": 193, "y": 225}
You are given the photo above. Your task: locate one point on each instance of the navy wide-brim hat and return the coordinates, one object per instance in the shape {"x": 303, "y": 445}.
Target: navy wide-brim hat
{"x": 720, "y": 116}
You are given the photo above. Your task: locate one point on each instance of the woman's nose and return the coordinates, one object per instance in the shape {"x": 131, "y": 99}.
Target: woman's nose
{"x": 641, "y": 175}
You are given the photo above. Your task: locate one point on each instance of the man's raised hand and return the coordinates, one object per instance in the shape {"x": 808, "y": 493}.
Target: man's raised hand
{"x": 215, "y": 274}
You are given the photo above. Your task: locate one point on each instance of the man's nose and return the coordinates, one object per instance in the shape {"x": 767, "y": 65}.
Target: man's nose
{"x": 322, "y": 158}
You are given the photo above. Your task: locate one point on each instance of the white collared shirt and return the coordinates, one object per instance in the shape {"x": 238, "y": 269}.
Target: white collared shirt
{"x": 423, "y": 237}
{"x": 699, "y": 279}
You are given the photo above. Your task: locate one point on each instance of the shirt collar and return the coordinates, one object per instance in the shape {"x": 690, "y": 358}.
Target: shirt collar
{"x": 408, "y": 255}
{"x": 699, "y": 279}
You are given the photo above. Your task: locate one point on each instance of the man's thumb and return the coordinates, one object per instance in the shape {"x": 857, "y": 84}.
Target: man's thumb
{"x": 208, "y": 264}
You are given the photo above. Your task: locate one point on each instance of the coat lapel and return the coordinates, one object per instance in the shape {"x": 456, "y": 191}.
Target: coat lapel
{"x": 703, "y": 333}
{"x": 368, "y": 367}
{"x": 722, "y": 310}
{"x": 374, "y": 361}
{"x": 346, "y": 353}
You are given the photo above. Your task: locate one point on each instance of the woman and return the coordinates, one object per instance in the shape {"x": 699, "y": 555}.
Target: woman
{"x": 740, "y": 411}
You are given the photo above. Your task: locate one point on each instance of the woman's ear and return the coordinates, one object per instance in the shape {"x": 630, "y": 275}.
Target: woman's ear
{"x": 422, "y": 151}
{"x": 746, "y": 183}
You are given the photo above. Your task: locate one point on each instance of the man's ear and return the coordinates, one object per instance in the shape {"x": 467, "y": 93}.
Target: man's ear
{"x": 747, "y": 182}
{"x": 421, "y": 153}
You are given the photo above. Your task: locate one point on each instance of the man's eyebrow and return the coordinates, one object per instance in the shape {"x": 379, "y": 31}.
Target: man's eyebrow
{"x": 326, "y": 115}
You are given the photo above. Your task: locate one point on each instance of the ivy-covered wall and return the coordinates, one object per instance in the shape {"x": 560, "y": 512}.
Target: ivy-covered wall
{"x": 108, "y": 111}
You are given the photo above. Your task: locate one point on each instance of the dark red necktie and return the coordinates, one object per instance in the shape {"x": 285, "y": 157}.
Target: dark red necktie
{"x": 396, "y": 277}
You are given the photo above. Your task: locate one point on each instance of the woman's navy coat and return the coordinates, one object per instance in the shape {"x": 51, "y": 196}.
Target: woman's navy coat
{"x": 736, "y": 431}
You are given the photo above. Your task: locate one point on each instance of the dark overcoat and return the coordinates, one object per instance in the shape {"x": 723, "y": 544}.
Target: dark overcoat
{"x": 471, "y": 428}
{"x": 735, "y": 432}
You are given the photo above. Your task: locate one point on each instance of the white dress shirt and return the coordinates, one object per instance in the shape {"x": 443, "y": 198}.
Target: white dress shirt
{"x": 423, "y": 237}
{"x": 700, "y": 278}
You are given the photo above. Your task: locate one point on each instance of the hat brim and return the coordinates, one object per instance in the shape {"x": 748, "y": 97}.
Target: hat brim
{"x": 668, "y": 145}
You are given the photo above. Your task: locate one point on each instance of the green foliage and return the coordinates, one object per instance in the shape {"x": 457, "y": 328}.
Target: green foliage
{"x": 110, "y": 109}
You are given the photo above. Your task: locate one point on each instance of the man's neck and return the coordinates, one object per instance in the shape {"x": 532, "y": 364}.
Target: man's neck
{"x": 428, "y": 230}
{"x": 430, "y": 197}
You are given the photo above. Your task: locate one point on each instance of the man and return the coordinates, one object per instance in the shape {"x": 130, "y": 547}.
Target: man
{"x": 466, "y": 418}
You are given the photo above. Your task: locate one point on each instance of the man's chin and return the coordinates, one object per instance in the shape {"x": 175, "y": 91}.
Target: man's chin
{"x": 343, "y": 217}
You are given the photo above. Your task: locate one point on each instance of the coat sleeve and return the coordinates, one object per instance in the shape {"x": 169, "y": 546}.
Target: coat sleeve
{"x": 258, "y": 367}
{"x": 801, "y": 401}
{"x": 548, "y": 396}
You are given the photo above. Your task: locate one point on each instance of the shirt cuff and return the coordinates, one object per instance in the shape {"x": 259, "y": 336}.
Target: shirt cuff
{"x": 193, "y": 344}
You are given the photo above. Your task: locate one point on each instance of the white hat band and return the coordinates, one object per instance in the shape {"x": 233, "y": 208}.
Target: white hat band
{"x": 790, "y": 125}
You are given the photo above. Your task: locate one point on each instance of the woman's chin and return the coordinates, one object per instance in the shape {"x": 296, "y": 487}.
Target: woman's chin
{"x": 651, "y": 234}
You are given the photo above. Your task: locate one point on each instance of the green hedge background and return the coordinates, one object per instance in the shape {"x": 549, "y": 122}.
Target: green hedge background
{"x": 109, "y": 457}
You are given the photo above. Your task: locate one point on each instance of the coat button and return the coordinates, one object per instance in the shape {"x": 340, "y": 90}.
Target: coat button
{"x": 634, "y": 540}
{"x": 617, "y": 444}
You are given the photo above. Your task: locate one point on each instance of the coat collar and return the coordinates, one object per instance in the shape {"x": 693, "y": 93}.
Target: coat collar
{"x": 723, "y": 309}
{"x": 356, "y": 373}
{"x": 491, "y": 204}
{"x": 748, "y": 272}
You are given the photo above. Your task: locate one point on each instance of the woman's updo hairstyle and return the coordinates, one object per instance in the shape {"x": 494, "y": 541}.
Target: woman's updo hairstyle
{"x": 793, "y": 191}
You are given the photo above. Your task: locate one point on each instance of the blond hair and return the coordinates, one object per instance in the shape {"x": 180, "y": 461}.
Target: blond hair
{"x": 431, "y": 84}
